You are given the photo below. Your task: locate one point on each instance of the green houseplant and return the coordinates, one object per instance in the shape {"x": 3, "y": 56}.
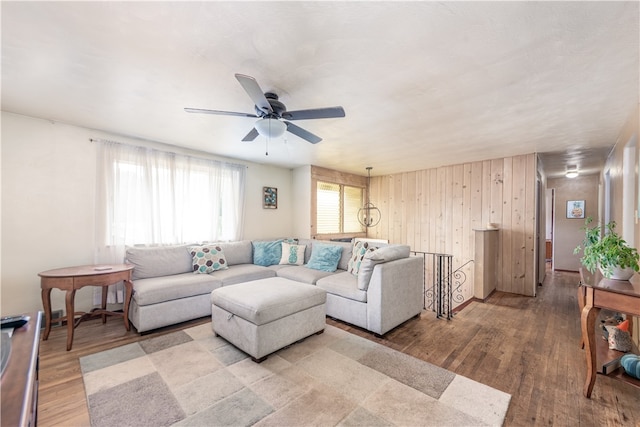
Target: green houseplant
{"x": 610, "y": 253}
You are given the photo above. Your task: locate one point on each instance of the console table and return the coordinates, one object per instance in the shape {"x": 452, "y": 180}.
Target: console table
{"x": 20, "y": 378}
{"x": 596, "y": 293}
{"x": 71, "y": 279}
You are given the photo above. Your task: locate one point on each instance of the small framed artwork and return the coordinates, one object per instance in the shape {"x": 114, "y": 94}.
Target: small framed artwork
{"x": 575, "y": 208}
{"x": 269, "y": 197}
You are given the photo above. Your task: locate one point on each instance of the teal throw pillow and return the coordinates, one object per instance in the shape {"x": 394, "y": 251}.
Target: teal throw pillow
{"x": 267, "y": 253}
{"x": 325, "y": 257}
{"x": 631, "y": 365}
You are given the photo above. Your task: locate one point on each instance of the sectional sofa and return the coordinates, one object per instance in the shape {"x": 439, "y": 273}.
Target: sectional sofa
{"x": 376, "y": 288}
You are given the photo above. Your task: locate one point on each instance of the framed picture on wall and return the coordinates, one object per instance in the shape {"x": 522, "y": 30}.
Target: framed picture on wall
{"x": 269, "y": 198}
{"x": 575, "y": 208}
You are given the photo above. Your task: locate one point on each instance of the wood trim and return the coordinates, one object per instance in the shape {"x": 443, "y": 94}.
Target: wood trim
{"x": 329, "y": 175}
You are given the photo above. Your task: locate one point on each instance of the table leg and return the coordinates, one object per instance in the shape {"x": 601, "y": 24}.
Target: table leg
{"x": 581, "y": 301}
{"x": 128, "y": 285}
{"x": 46, "y": 304}
{"x": 70, "y": 297}
{"x": 105, "y": 290}
{"x": 588, "y": 323}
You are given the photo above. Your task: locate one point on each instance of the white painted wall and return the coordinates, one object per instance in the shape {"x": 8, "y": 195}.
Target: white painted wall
{"x": 301, "y": 188}
{"x": 262, "y": 223}
{"x": 629, "y": 206}
{"x": 48, "y": 209}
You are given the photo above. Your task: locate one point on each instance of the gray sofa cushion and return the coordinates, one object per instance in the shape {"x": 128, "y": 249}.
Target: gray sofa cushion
{"x": 155, "y": 290}
{"x": 237, "y": 252}
{"x": 264, "y": 301}
{"x": 159, "y": 261}
{"x": 390, "y": 253}
{"x": 344, "y": 285}
{"x": 347, "y": 251}
{"x": 278, "y": 267}
{"x": 308, "y": 247}
{"x": 380, "y": 255}
{"x": 303, "y": 274}
{"x": 242, "y": 273}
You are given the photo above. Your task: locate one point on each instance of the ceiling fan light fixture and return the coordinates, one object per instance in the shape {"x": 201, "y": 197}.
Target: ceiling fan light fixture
{"x": 271, "y": 111}
{"x": 270, "y": 128}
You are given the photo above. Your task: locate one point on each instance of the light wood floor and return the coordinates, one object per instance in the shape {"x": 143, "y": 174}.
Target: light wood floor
{"x": 528, "y": 347}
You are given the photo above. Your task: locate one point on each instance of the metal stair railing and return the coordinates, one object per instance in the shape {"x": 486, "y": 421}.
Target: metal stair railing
{"x": 441, "y": 285}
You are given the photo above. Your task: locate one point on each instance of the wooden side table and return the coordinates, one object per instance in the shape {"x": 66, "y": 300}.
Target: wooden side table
{"x": 597, "y": 293}
{"x": 71, "y": 279}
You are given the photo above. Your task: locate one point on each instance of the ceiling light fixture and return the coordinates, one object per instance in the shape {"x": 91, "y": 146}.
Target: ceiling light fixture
{"x": 270, "y": 128}
{"x": 572, "y": 171}
{"x": 369, "y": 215}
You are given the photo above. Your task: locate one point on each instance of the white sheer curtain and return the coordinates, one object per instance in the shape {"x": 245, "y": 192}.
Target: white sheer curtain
{"x": 150, "y": 197}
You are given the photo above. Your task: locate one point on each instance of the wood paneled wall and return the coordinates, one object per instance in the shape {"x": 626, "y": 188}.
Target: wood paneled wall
{"x": 630, "y": 132}
{"x": 436, "y": 210}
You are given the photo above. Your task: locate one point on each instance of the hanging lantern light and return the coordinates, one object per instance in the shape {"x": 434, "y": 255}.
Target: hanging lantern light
{"x": 369, "y": 215}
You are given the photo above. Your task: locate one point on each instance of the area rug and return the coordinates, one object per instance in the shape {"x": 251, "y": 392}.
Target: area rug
{"x": 191, "y": 378}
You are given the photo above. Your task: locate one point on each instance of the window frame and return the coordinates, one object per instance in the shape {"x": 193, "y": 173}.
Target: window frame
{"x": 339, "y": 178}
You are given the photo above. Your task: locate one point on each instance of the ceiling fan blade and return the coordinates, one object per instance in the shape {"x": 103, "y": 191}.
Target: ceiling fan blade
{"x": 252, "y": 88}
{"x": 304, "y": 134}
{"x": 314, "y": 113}
{"x": 222, "y": 113}
{"x": 253, "y": 134}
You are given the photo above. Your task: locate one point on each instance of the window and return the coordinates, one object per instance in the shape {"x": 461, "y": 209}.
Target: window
{"x": 153, "y": 197}
{"x": 336, "y": 198}
{"x": 337, "y": 208}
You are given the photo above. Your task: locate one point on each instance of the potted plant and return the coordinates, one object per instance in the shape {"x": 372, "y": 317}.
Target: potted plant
{"x": 610, "y": 253}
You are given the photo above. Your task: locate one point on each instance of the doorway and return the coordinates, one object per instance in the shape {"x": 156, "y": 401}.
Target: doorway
{"x": 550, "y": 206}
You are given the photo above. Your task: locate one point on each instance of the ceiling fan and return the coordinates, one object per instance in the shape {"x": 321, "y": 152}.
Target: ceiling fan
{"x": 273, "y": 115}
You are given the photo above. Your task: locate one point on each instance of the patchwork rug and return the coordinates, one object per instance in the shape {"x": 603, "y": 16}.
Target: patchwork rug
{"x": 191, "y": 378}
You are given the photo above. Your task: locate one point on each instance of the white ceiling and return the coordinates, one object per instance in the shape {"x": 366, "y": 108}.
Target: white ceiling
{"x": 423, "y": 84}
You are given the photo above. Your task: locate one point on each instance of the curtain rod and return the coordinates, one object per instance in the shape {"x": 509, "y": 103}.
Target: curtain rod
{"x": 166, "y": 151}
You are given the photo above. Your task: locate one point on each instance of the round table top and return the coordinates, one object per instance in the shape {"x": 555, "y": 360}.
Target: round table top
{"x": 86, "y": 270}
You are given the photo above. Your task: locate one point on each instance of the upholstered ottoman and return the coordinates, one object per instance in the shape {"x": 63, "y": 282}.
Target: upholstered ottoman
{"x": 263, "y": 316}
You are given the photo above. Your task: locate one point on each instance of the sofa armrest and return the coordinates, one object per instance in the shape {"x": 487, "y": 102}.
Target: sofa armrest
{"x": 395, "y": 293}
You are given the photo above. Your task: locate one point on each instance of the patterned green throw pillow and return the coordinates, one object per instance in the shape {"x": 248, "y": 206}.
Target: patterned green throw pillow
{"x": 360, "y": 249}
{"x": 207, "y": 259}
